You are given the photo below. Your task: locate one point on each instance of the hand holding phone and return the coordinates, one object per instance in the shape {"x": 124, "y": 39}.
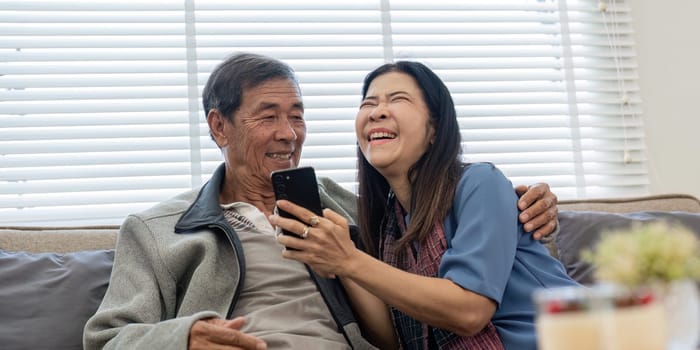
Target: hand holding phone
{"x": 297, "y": 185}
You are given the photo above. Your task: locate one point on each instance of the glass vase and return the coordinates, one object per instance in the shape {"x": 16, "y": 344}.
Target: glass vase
{"x": 680, "y": 300}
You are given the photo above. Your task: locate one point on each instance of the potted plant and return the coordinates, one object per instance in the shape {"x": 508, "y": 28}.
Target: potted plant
{"x": 660, "y": 256}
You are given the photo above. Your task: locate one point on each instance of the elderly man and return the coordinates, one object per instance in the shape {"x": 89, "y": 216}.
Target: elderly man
{"x": 189, "y": 269}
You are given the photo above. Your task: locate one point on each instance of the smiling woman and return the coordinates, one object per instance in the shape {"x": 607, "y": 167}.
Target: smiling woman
{"x": 387, "y": 141}
{"x": 100, "y": 112}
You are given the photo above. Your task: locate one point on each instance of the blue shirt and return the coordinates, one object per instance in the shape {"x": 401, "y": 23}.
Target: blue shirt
{"x": 489, "y": 253}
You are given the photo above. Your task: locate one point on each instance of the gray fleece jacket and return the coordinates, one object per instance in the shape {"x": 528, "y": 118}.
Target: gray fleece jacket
{"x": 177, "y": 263}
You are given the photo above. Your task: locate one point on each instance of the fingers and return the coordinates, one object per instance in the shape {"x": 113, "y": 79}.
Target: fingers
{"x": 305, "y": 252}
{"x": 291, "y": 225}
{"x": 322, "y": 223}
{"x": 539, "y": 209}
{"x": 224, "y": 334}
{"x": 227, "y": 336}
{"x": 536, "y": 201}
{"x": 527, "y": 196}
{"x": 545, "y": 230}
{"x": 303, "y": 214}
{"x": 305, "y": 219}
{"x": 520, "y": 190}
{"x": 533, "y": 194}
{"x": 329, "y": 228}
{"x": 293, "y": 245}
{"x": 335, "y": 218}
{"x": 236, "y": 323}
{"x": 314, "y": 221}
{"x": 542, "y": 224}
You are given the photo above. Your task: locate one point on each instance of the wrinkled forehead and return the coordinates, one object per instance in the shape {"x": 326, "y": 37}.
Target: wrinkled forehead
{"x": 274, "y": 80}
{"x": 274, "y": 94}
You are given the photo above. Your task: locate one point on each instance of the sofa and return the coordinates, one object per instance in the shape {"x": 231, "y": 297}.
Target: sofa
{"x": 53, "y": 278}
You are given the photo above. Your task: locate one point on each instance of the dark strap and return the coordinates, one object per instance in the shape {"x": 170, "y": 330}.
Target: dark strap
{"x": 336, "y": 298}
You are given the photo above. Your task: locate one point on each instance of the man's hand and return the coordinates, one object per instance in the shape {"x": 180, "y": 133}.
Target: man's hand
{"x": 215, "y": 333}
{"x": 538, "y": 207}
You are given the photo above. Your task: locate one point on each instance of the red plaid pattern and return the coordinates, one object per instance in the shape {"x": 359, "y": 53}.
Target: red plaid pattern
{"x": 415, "y": 334}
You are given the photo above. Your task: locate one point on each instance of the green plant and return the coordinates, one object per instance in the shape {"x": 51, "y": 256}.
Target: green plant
{"x": 646, "y": 254}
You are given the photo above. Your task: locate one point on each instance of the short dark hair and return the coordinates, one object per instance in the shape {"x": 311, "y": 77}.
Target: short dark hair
{"x": 225, "y": 86}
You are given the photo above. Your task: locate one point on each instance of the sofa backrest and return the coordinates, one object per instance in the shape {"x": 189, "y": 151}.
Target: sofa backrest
{"x": 582, "y": 223}
{"x": 76, "y": 238}
{"x": 58, "y": 239}
{"x": 664, "y": 202}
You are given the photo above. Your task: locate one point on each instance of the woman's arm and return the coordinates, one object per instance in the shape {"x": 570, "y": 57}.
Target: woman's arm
{"x": 329, "y": 251}
{"x": 373, "y": 314}
{"x": 438, "y": 302}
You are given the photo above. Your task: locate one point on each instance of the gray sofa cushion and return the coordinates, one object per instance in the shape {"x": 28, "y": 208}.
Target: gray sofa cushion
{"x": 46, "y": 298}
{"x": 581, "y": 230}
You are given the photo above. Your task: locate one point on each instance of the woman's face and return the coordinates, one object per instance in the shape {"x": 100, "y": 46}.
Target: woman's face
{"x": 393, "y": 124}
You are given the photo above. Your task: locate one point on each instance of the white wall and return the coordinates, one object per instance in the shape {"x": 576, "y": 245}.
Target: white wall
{"x": 667, "y": 34}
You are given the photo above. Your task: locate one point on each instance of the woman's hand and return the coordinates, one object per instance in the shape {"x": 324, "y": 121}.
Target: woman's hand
{"x": 323, "y": 243}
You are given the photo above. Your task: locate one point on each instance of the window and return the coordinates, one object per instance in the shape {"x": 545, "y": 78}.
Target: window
{"x": 100, "y": 111}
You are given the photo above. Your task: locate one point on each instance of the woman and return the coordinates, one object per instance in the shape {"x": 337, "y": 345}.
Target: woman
{"x": 443, "y": 244}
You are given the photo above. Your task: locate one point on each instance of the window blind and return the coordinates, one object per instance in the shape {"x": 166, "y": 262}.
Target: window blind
{"x": 100, "y": 110}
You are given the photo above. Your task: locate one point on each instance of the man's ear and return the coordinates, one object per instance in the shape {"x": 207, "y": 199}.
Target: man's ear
{"x": 217, "y": 126}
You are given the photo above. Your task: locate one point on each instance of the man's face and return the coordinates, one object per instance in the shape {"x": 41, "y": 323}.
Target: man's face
{"x": 267, "y": 131}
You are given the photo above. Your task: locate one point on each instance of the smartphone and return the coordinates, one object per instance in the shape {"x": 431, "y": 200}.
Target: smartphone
{"x": 297, "y": 185}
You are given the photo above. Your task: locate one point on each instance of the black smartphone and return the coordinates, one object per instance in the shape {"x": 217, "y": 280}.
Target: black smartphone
{"x": 297, "y": 185}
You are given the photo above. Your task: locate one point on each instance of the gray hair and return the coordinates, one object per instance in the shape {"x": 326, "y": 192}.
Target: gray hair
{"x": 225, "y": 86}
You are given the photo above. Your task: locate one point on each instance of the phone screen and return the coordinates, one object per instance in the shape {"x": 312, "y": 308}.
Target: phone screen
{"x": 297, "y": 185}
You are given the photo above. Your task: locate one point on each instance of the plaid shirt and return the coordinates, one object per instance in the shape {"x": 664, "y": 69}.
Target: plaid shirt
{"x": 413, "y": 334}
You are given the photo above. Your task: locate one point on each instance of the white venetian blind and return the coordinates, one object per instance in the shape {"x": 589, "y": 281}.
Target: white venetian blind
{"x": 331, "y": 45}
{"x": 100, "y": 113}
{"x": 538, "y": 86}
